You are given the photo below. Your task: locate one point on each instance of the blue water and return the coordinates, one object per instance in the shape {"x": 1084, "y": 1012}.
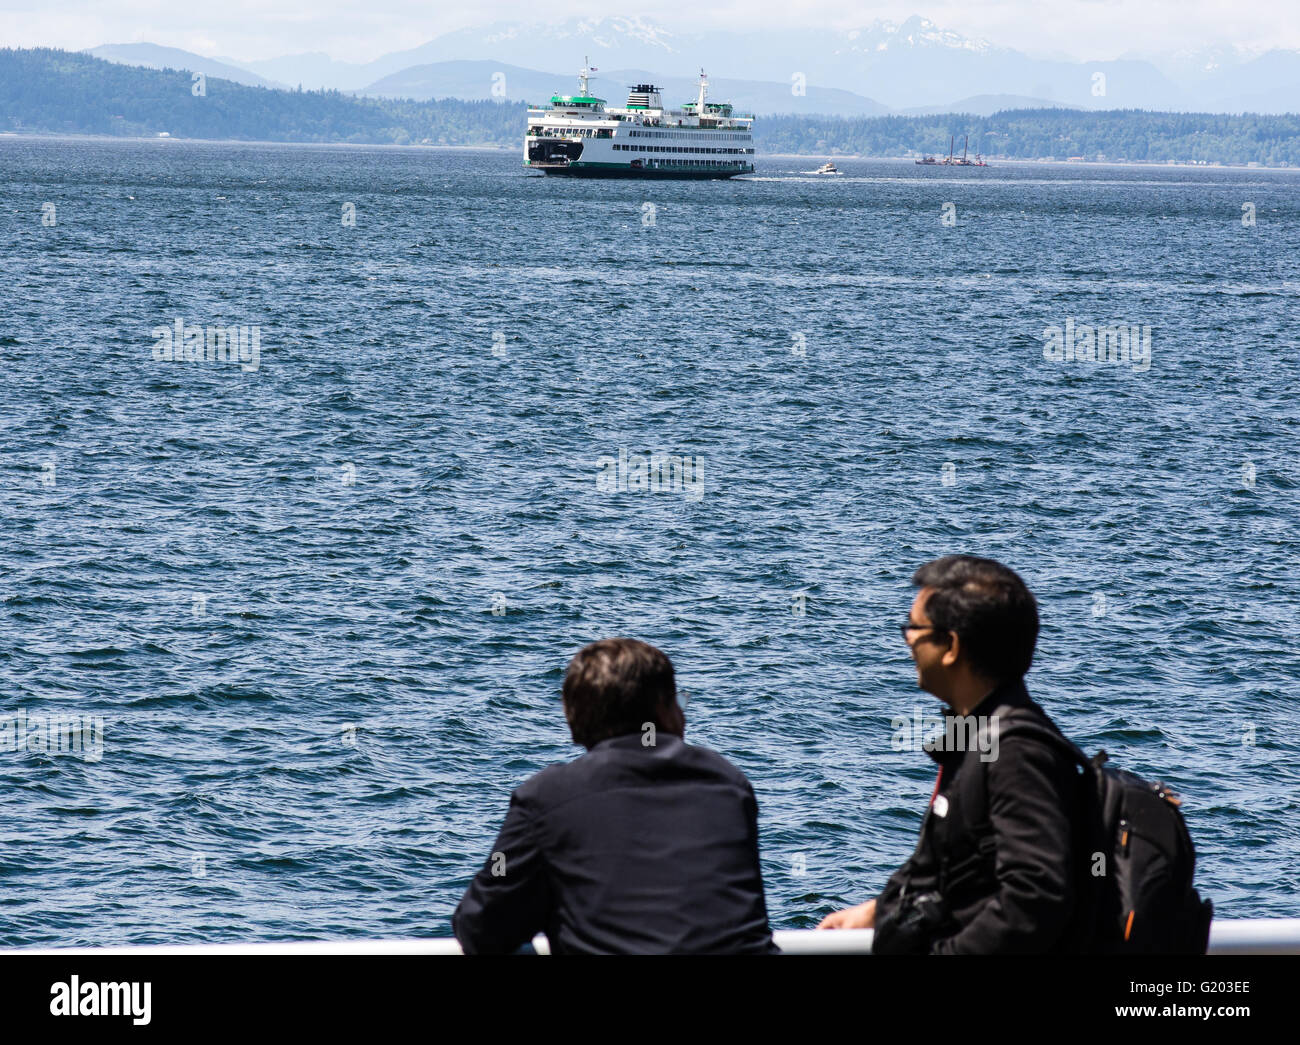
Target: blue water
{"x": 276, "y": 586}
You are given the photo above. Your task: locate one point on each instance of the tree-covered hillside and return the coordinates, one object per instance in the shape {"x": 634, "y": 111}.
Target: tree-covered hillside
{"x": 1042, "y": 133}
{"x": 51, "y": 91}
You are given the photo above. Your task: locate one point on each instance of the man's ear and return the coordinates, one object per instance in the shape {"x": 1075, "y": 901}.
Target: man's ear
{"x": 953, "y": 652}
{"x": 671, "y": 717}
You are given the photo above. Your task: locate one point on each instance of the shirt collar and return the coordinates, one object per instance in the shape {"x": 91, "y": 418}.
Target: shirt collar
{"x": 634, "y": 740}
{"x": 1012, "y": 693}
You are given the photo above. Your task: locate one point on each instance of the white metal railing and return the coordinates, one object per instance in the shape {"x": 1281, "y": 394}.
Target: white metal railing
{"x": 1245, "y": 936}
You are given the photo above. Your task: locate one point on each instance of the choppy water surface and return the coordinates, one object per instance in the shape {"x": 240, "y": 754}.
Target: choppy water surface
{"x": 276, "y": 586}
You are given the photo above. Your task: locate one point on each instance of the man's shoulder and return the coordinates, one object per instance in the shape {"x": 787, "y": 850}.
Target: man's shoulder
{"x": 708, "y": 760}
{"x": 1027, "y": 726}
{"x": 1029, "y": 745}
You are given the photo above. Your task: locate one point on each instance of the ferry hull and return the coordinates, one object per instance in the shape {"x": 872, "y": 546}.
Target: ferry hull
{"x": 618, "y": 170}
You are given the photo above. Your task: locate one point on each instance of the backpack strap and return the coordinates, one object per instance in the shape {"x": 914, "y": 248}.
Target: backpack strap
{"x": 1031, "y": 725}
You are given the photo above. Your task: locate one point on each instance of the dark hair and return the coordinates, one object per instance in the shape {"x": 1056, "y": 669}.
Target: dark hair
{"x": 613, "y": 686}
{"x": 988, "y": 605}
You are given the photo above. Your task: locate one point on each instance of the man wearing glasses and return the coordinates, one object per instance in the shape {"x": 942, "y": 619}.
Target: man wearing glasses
{"x": 998, "y": 867}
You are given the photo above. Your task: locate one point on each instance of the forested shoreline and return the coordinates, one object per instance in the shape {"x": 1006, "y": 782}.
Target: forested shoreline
{"x": 45, "y": 91}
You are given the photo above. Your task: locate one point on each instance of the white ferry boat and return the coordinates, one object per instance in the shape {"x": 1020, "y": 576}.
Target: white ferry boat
{"x": 578, "y": 134}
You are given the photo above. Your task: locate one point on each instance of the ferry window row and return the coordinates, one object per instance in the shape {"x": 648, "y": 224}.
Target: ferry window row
{"x": 711, "y": 136}
{"x": 571, "y": 132}
{"x": 737, "y": 164}
{"x": 673, "y": 148}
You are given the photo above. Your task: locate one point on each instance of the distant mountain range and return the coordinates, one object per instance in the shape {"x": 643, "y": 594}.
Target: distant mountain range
{"x": 472, "y": 80}
{"x": 912, "y": 67}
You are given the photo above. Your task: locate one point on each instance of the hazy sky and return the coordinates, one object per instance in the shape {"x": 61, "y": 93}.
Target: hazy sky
{"x": 352, "y": 30}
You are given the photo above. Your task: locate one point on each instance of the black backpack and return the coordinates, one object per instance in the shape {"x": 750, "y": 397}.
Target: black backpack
{"x": 1139, "y": 860}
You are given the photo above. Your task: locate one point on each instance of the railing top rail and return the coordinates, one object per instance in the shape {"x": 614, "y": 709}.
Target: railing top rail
{"x": 1232, "y": 936}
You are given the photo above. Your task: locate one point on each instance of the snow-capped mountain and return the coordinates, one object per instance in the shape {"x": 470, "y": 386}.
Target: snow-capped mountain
{"x": 916, "y": 32}
{"x": 1189, "y": 66}
{"x": 625, "y": 42}
{"x": 606, "y": 35}
{"x": 912, "y": 65}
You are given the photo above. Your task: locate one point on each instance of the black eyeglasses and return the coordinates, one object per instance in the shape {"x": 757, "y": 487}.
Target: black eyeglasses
{"x": 909, "y": 626}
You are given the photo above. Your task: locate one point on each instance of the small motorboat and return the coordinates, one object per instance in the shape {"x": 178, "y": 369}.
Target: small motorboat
{"x": 827, "y": 168}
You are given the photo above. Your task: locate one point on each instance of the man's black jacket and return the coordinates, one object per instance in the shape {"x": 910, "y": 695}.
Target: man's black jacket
{"x": 1001, "y": 842}
{"x": 627, "y": 849}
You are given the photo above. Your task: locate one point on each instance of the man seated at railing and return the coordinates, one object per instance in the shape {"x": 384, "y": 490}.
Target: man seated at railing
{"x": 645, "y": 844}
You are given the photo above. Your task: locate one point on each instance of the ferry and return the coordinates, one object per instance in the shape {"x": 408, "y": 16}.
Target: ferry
{"x": 579, "y": 135}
